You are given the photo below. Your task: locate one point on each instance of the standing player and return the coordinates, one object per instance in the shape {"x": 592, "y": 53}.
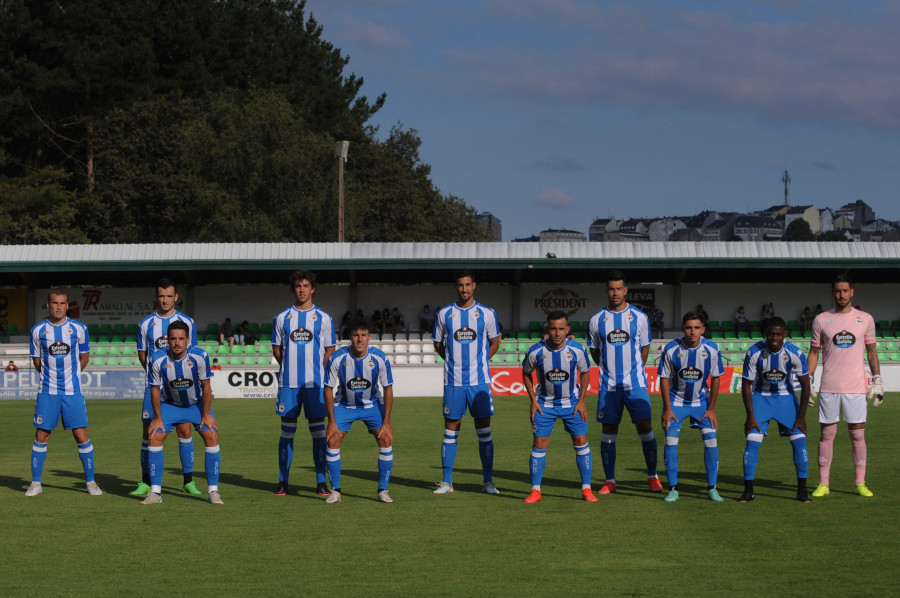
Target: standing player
{"x": 152, "y": 336}
{"x": 352, "y": 380}
{"x": 563, "y": 378}
{"x": 841, "y": 333}
{"x": 180, "y": 396}
{"x": 619, "y": 340}
{"x": 771, "y": 368}
{"x": 60, "y": 349}
{"x": 466, "y": 335}
{"x": 303, "y": 340}
{"x": 686, "y": 364}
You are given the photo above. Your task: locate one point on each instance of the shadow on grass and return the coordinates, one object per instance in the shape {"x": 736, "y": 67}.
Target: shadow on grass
{"x": 14, "y": 483}
{"x": 729, "y": 486}
{"x": 110, "y": 484}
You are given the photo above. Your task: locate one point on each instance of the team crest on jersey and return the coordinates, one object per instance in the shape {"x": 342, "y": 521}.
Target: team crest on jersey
{"x": 38, "y": 419}
{"x": 477, "y": 314}
{"x": 629, "y": 317}
{"x": 313, "y": 317}
{"x": 704, "y": 353}
{"x": 58, "y": 349}
{"x": 844, "y": 339}
{"x": 618, "y": 337}
{"x": 859, "y": 321}
{"x": 70, "y": 330}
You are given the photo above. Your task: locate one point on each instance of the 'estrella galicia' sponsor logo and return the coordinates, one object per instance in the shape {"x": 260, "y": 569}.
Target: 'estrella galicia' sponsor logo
{"x": 180, "y": 383}
{"x": 162, "y": 342}
{"x": 59, "y": 349}
{"x": 301, "y": 335}
{"x": 358, "y": 384}
{"x": 690, "y": 374}
{"x": 844, "y": 339}
{"x": 557, "y": 375}
{"x": 618, "y": 337}
{"x": 774, "y": 376}
{"x": 465, "y": 335}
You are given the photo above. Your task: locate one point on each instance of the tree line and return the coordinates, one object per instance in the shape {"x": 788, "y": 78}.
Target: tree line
{"x": 201, "y": 121}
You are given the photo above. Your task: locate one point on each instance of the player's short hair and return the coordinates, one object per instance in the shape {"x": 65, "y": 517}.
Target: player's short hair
{"x": 775, "y": 322}
{"x": 359, "y": 324}
{"x": 463, "y": 273}
{"x": 57, "y": 291}
{"x": 841, "y": 278}
{"x": 165, "y": 283}
{"x": 178, "y": 325}
{"x": 614, "y": 275}
{"x": 692, "y": 315}
{"x": 557, "y": 315}
{"x": 299, "y": 275}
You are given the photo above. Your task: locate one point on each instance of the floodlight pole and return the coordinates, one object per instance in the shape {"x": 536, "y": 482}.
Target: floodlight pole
{"x": 340, "y": 152}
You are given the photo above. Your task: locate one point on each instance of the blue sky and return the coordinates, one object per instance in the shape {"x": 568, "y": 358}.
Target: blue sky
{"x": 550, "y": 113}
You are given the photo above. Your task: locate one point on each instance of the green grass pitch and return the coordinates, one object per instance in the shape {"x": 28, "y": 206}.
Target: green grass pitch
{"x": 66, "y": 542}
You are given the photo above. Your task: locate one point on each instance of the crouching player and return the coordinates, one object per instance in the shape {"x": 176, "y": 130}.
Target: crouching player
{"x": 563, "y": 376}
{"x": 770, "y": 369}
{"x": 181, "y": 395}
{"x": 686, "y": 365}
{"x": 352, "y": 380}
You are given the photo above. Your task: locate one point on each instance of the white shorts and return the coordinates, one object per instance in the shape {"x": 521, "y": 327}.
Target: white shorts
{"x": 831, "y": 404}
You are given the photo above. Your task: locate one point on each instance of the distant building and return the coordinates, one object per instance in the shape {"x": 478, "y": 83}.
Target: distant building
{"x": 702, "y": 220}
{"x": 662, "y": 228}
{"x": 531, "y": 239}
{"x": 491, "y": 223}
{"x": 633, "y": 230}
{"x": 826, "y": 221}
{"x": 601, "y": 229}
{"x": 808, "y": 213}
{"x": 858, "y": 213}
{"x": 757, "y": 228}
{"x": 686, "y": 234}
{"x": 552, "y": 235}
{"x": 720, "y": 230}
{"x": 773, "y": 211}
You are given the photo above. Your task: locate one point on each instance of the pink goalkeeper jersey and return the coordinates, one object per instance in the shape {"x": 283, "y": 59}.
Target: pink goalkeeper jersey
{"x": 842, "y": 339}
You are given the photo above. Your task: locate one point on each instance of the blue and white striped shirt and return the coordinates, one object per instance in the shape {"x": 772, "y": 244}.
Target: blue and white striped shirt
{"x": 775, "y": 373}
{"x": 559, "y": 372}
{"x": 59, "y": 348}
{"x": 303, "y": 337}
{"x": 179, "y": 379}
{"x": 466, "y": 334}
{"x": 153, "y": 334}
{"x": 688, "y": 370}
{"x": 620, "y": 336}
{"x": 358, "y": 383}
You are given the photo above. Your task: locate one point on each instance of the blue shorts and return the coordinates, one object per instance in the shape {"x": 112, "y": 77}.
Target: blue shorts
{"x": 695, "y": 413}
{"x": 49, "y": 408}
{"x": 173, "y": 414}
{"x": 611, "y": 402}
{"x": 147, "y": 406}
{"x": 543, "y": 423}
{"x": 344, "y": 417}
{"x": 782, "y": 408}
{"x": 477, "y": 398}
{"x": 290, "y": 400}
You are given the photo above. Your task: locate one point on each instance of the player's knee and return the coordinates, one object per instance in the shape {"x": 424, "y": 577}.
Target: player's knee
{"x": 210, "y": 437}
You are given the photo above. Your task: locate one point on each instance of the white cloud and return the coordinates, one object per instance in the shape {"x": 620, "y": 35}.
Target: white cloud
{"x": 554, "y": 197}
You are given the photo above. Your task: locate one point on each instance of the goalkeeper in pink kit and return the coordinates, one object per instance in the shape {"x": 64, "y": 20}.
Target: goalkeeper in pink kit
{"x": 844, "y": 335}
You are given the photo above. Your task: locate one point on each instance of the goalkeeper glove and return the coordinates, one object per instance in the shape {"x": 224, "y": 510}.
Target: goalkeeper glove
{"x": 813, "y": 393}
{"x": 876, "y": 390}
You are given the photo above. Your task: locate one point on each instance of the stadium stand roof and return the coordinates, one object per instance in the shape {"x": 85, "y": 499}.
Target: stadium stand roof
{"x": 667, "y": 262}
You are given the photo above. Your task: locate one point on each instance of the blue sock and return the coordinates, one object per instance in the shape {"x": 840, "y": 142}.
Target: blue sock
{"x": 710, "y": 456}
{"x": 751, "y": 454}
{"x": 585, "y": 461}
{"x": 536, "y": 464}
{"x": 186, "y": 452}
{"x": 608, "y": 455}
{"x": 333, "y": 462}
{"x": 38, "y": 454}
{"x": 319, "y": 446}
{"x": 213, "y": 465}
{"x": 385, "y": 465}
{"x": 801, "y": 458}
{"x": 486, "y": 452}
{"x": 145, "y": 464}
{"x": 670, "y": 455}
{"x": 156, "y": 463}
{"x": 648, "y": 443}
{"x": 286, "y": 450}
{"x": 86, "y": 452}
{"x": 448, "y": 454}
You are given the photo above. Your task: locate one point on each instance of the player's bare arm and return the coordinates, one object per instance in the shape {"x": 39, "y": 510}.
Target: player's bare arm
{"x": 276, "y": 353}
{"x": 84, "y": 358}
{"x": 584, "y": 385}
{"x": 665, "y": 387}
{"x": 328, "y": 352}
{"x": 440, "y": 349}
{"x": 645, "y": 353}
{"x": 333, "y": 436}
{"x": 711, "y": 405}
{"x": 747, "y": 395}
{"x": 528, "y": 382}
{"x": 207, "y": 418}
{"x": 386, "y": 433}
{"x": 804, "y": 403}
{"x": 156, "y": 424}
{"x": 494, "y": 346}
{"x": 36, "y": 361}
{"x": 595, "y": 355}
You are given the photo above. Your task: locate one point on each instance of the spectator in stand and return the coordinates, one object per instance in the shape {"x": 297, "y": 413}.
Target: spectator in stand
{"x": 818, "y": 310}
{"x": 377, "y": 323}
{"x": 388, "y": 323}
{"x": 242, "y": 333}
{"x": 215, "y": 364}
{"x": 11, "y": 366}
{"x": 767, "y": 311}
{"x": 806, "y": 319}
{"x": 426, "y": 321}
{"x": 344, "y": 333}
{"x": 656, "y": 320}
{"x": 399, "y": 322}
{"x": 740, "y": 320}
{"x": 226, "y": 333}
